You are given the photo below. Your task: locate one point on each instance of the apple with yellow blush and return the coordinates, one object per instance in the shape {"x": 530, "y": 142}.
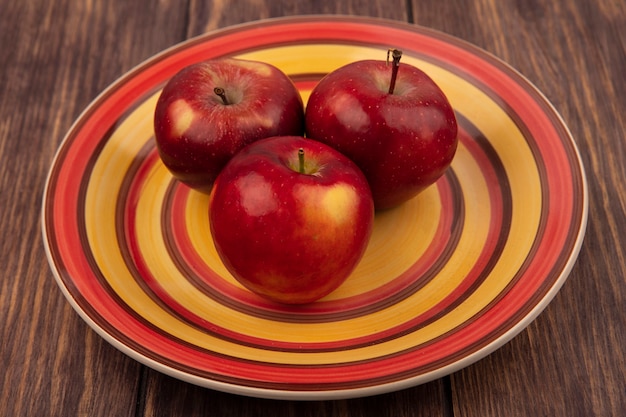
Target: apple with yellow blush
{"x": 291, "y": 218}
{"x": 209, "y": 110}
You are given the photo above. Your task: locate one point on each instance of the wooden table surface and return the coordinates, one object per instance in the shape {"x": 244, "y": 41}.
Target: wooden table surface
{"x": 56, "y": 56}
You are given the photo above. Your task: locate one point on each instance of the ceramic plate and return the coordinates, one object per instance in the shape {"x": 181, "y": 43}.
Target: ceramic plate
{"x": 447, "y": 278}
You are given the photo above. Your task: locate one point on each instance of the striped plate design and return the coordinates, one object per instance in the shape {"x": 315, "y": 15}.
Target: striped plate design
{"x": 447, "y": 278}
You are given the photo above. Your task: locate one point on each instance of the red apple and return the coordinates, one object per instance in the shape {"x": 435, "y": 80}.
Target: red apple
{"x": 291, "y": 218}
{"x": 210, "y": 110}
{"x": 393, "y": 121}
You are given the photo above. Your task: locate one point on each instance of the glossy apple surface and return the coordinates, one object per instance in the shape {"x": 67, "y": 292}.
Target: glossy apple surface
{"x": 403, "y": 141}
{"x": 290, "y": 236}
{"x": 198, "y": 129}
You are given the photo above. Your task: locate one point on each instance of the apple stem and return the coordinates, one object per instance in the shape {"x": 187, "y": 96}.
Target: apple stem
{"x": 301, "y": 161}
{"x": 396, "y": 55}
{"x": 220, "y": 92}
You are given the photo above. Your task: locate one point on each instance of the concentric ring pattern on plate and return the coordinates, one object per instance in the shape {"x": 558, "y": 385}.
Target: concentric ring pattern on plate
{"x": 447, "y": 278}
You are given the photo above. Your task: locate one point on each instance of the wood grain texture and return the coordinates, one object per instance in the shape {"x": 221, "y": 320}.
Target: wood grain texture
{"x": 55, "y": 57}
{"x": 206, "y": 16}
{"x": 169, "y": 397}
{"x": 576, "y": 54}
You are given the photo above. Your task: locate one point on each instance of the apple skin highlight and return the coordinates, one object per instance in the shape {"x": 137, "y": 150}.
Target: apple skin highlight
{"x": 288, "y": 236}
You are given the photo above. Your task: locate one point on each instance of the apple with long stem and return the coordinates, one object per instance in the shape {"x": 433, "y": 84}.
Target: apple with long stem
{"x": 211, "y": 109}
{"x": 393, "y": 121}
{"x": 290, "y": 218}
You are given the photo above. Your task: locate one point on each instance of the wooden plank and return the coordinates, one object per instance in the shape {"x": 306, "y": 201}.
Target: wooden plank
{"x": 570, "y": 361}
{"x": 170, "y": 397}
{"x": 206, "y": 16}
{"x": 55, "y": 58}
